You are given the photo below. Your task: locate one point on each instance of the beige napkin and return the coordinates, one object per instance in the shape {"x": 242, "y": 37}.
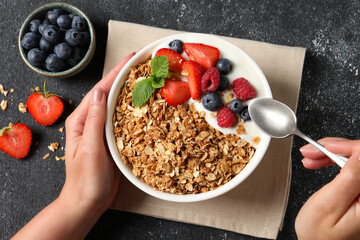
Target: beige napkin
{"x": 257, "y": 206}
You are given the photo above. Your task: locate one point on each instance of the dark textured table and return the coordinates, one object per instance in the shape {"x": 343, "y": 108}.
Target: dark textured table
{"x": 329, "y": 100}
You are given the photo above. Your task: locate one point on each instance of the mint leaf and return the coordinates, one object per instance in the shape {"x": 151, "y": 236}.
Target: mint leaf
{"x": 157, "y": 82}
{"x": 160, "y": 66}
{"x": 142, "y": 92}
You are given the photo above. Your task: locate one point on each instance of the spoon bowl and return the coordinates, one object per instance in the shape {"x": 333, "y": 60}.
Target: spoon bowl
{"x": 277, "y": 120}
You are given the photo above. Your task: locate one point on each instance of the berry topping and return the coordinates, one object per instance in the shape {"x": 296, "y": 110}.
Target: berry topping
{"x": 193, "y": 72}
{"x": 175, "y": 59}
{"x": 244, "y": 114}
{"x": 42, "y": 26}
{"x": 226, "y": 118}
{"x": 224, "y": 66}
{"x": 36, "y": 57}
{"x": 177, "y": 46}
{"x": 62, "y": 50}
{"x": 53, "y": 63}
{"x": 236, "y": 105}
{"x": 34, "y": 25}
{"x": 30, "y": 40}
{"x": 205, "y": 55}
{"x": 51, "y": 33}
{"x": 45, "y": 107}
{"x": 224, "y": 84}
{"x": 175, "y": 91}
{"x": 210, "y": 80}
{"x": 243, "y": 90}
{"x": 211, "y": 101}
{"x": 15, "y": 140}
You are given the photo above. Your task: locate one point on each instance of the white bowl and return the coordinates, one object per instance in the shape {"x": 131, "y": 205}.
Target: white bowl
{"x": 242, "y": 64}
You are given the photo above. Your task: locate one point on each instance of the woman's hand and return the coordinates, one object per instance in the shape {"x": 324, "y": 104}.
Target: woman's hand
{"x": 333, "y": 212}
{"x": 91, "y": 176}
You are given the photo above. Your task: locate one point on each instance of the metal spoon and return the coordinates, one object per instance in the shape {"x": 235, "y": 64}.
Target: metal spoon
{"x": 278, "y": 120}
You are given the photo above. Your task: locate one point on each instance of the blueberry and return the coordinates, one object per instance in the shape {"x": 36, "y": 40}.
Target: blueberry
{"x": 78, "y": 23}
{"x": 236, "y": 105}
{"x": 36, "y": 57}
{"x": 77, "y": 55}
{"x": 30, "y": 40}
{"x": 52, "y": 34}
{"x": 52, "y": 16}
{"x": 45, "y": 45}
{"x": 62, "y": 50}
{"x": 224, "y": 83}
{"x": 42, "y": 26}
{"x": 224, "y": 66}
{"x": 85, "y": 39}
{"x": 73, "y": 37}
{"x": 244, "y": 114}
{"x": 34, "y": 25}
{"x": 64, "y": 21}
{"x": 211, "y": 101}
{"x": 177, "y": 46}
{"x": 53, "y": 63}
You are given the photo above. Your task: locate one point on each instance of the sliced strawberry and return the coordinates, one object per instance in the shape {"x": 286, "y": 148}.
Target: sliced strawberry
{"x": 175, "y": 59}
{"x": 205, "y": 55}
{"x": 15, "y": 140}
{"x": 45, "y": 107}
{"x": 193, "y": 72}
{"x": 175, "y": 91}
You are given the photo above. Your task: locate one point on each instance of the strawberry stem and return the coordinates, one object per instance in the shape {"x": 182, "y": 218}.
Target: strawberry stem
{"x": 7, "y": 128}
{"x": 46, "y": 93}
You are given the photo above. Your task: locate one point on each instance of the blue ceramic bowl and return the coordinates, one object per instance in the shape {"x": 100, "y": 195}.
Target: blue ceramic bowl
{"x": 40, "y": 13}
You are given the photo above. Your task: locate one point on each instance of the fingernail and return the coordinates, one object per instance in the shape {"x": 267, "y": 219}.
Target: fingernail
{"x": 97, "y": 96}
{"x": 304, "y": 148}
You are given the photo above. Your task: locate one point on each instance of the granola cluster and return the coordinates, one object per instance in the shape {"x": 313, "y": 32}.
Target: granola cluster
{"x": 174, "y": 149}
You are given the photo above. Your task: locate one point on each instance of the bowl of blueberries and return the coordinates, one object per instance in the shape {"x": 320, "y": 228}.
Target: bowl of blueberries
{"x": 57, "y": 40}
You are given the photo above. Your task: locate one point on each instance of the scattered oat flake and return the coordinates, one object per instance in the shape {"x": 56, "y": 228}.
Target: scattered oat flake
{"x": 12, "y": 90}
{"x": 53, "y": 146}
{"x": 46, "y": 156}
{"x": 62, "y": 158}
{"x": 3, "y": 105}
{"x": 61, "y": 129}
{"x": 37, "y": 89}
{"x": 2, "y": 90}
{"x": 256, "y": 140}
{"x": 57, "y": 158}
{"x": 22, "y": 107}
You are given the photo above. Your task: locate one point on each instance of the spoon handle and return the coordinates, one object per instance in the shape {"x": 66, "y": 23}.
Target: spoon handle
{"x": 339, "y": 160}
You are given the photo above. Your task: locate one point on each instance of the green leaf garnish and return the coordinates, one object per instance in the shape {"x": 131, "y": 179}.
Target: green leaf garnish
{"x": 142, "y": 92}
{"x": 146, "y": 87}
{"x": 157, "y": 82}
{"x": 160, "y": 66}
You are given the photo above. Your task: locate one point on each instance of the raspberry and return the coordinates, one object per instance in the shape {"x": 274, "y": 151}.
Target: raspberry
{"x": 243, "y": 90}
{"x": 226, "y": 118}
{"x": 210, "y": 80}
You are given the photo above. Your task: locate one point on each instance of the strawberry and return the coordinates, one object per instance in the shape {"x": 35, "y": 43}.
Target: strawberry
{"x": 193, "y": 72}
{"x": 15, "y": 140}
{"x": 44, "y": 107}
{"x": 205, "y": 55}
{"x": 243, "y": 90}
{"x": 175, "y": 91}
{"x": 175, "y": 59}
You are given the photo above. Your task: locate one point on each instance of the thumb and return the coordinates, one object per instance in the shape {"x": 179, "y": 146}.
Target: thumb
{"x": 335, "y": 198}
{"x": 95, "y": 120}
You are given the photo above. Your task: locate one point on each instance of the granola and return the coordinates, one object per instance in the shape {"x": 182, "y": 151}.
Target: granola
{"x": 174, "y": 149}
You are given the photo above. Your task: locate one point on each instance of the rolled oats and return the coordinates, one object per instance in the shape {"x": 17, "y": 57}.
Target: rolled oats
{"x": 173, "y": 148}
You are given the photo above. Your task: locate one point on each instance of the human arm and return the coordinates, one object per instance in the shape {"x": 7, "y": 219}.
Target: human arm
{"x": 91, "y": 176}
{"x": 333, "y": 212}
